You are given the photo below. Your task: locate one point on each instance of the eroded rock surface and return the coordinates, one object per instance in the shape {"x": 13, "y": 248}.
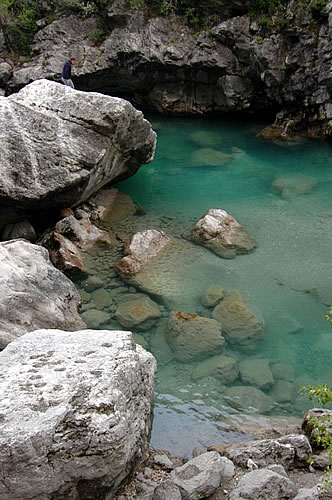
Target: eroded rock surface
{"x": 33, "y": 293}
{"x": 59, "y": 146}
{"x": 75, "y": 413}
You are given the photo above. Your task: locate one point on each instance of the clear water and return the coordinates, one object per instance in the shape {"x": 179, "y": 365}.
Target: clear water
{"x": 287, "y": 279}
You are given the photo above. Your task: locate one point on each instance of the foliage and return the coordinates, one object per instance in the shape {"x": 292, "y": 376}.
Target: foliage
{"x": 322, "y": 426}
{"x": 18, "y": 24}
{"x": 328, "y": 316}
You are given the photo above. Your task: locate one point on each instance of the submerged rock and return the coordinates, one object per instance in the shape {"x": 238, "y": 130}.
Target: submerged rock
{"x": 141, "y": 313}
{"x": 241, "y": 327}
{"x": 289, "y": 186}
{"x": 75, "y": 412}
{"x": 33, "y": 293}
{"x": 74, "y": 143}
{"x": 256, "y": 372}
{"x": 193, "y": 337}
{"x": 248, "y": 398}
{"x": 212, "y": 296}
{"x": 221, "y": 233}
{"x": 221, "y": 367}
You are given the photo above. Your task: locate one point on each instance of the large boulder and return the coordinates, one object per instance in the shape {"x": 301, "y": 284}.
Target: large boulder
{"x": 33, "y": 293}
{"x": 221, "y": 233}
{"x": 256, "y": 372}
{"x": 241, "y": 326}
{"x": 75, "y": 413}
{"x": 193, "y": 337}
{"x": 74, "y": 143}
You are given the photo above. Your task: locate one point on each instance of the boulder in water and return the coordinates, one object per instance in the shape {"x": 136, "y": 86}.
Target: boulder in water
{"x": 221, "y": 367}
{"x": 221, "y": 233}
{"x": 249, "y": 399}
{"x": 141, "y": 313}
{"x": 241, "y": 326}
{"x": 289, "y": 186}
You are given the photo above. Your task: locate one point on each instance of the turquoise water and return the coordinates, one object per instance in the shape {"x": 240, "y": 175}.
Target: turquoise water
{"x": 208, "y": 163}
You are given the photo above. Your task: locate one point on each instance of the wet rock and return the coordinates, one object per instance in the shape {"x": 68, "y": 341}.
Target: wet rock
{"x": 248, "y": 398}
{"x": 212, "y": 296}
{"x": 75, "y": 413}
{"x": 93, "y": 283}
{"x": 264, "y": 484}
{"x": 241, "y": 327}
{"x": 221, "y": 367}
{"x": 79, "y": 148}
{"x": 33, "y": 294}
{"x": 289, "y": 186}
{"x": 159, "y": 344}
{"x": 256, "y": 372}
{"x": 289, "y": 451}
{"x": 141, "y": 313}
{"x": 193, "y": 337}
{"x": 220, "y": 232}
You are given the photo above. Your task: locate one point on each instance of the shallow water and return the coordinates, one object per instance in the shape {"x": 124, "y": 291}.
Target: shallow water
{"x": 202, "y": 164}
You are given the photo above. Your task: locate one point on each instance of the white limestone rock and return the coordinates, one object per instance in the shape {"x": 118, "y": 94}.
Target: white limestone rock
{"x": 59, "y": 145}
{"x": 33, "y": 293}
{"x": 221, "y": 233}
{"x": 75, "y": 413}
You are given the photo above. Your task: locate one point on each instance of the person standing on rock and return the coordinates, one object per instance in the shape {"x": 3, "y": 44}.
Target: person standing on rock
{"x": 66, "y": 72}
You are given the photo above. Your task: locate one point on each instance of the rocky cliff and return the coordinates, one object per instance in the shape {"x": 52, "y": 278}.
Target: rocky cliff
{"x": 239, "y": 65}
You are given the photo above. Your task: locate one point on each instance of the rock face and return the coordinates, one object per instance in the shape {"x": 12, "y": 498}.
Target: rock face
{"x": 193, "y": 337}
{"x": 221, "y": 233}
{"x": 33, "y": 294}
{"x": 59, "y": 146}
{"x": 241, "y": 327}
{"x": 235, "y": 66}
{"x": 75, "y": 413}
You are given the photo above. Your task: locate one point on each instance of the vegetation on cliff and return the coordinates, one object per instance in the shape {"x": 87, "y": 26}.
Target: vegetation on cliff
{"x": 19, "y": 18}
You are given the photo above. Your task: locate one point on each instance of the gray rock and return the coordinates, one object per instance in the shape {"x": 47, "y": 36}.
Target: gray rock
{"x": 95, "y": 318}
{"x": 193, "y": 337}
{"x": 200, "y": 476}
{"x": 6, "y": 71}
{"x": 33, "y": 294}
{"x": 264, "y": 484}
{"x": 241, "y": 326}
{"x": 85, "y": 140}
{"x": 308, "y": 494}
{"x": 221, "y": 233}
{"x": 75, "y": 413}
{"x": 167, "y": 490}
{"x": 290, "y": 451}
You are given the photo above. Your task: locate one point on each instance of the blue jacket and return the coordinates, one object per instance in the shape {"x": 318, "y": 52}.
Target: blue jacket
{"x": 66, "y": 71}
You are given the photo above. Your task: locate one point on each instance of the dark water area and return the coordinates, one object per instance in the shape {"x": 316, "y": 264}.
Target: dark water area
{"x": 281, "y": 192}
